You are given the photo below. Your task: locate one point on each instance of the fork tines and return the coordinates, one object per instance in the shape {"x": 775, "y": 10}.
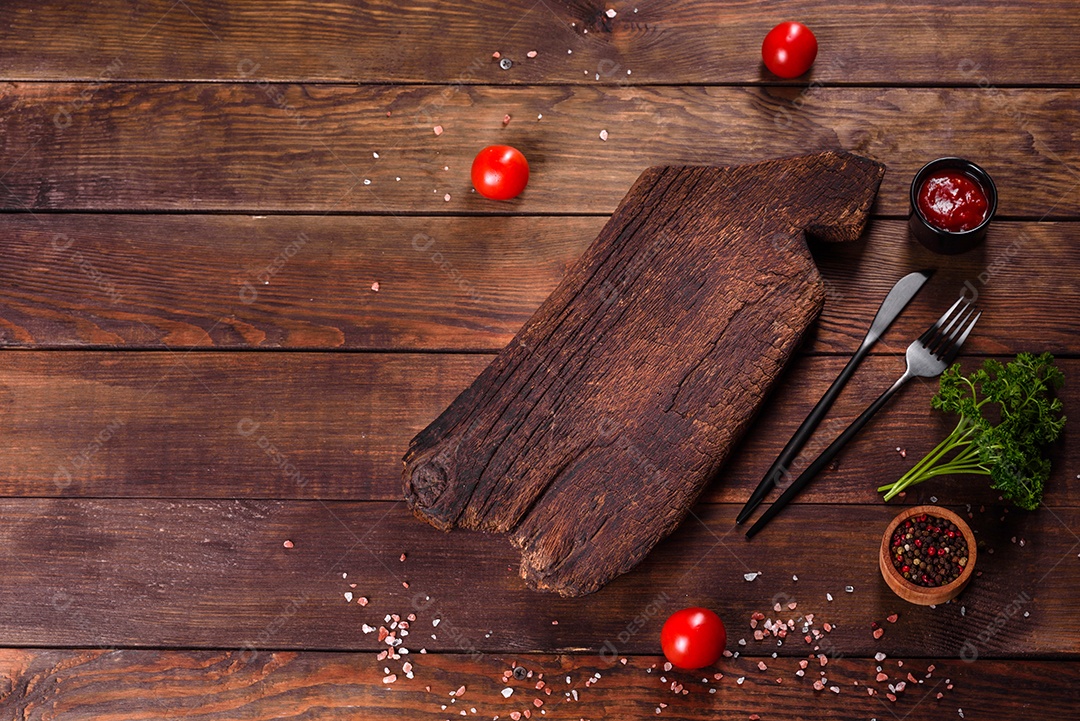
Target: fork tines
{"x": 944, "y": 338}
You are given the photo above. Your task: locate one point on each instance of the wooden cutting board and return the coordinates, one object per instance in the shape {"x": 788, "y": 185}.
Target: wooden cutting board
{"x": 590, "y": 436}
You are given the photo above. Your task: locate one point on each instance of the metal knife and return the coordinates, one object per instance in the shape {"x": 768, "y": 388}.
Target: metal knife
{"x": 897, "y": 299}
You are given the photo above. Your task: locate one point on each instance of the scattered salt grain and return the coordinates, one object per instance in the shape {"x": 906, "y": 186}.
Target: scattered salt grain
{"x": 506, "y": 692}
{"x": 375, "y": 286}
{"x": 506, "y": 119}
{"x": 740, "y": 680}
{"x": 348, "y": 596}
{"x": 751, "y": 576}
{"x": 375, "y": 155}
{"x": 389, "y": 679}
{"x": 879, "y": 657}
{"x": 610, "y": 13}
{"x": 603, "y": 135}
{"x": 287, "y": 544}
{"x": 849, "y": 589}
{"x": 438, "y": 130}
{"x": 531, "y": 54}
{"x": 828, "y": 597}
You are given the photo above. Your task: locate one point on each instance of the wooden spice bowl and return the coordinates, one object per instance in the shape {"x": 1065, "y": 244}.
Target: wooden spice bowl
{"x": 923, "y": 595}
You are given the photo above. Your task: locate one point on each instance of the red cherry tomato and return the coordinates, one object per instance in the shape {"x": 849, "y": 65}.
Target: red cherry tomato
{"x": 693, "y": 638}
{"x": 789, "y": 50}
{"x": 500, "y": 172}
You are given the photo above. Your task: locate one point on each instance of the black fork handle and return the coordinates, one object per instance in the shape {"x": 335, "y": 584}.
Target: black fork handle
{"x": 780, "y": 467}
{"x": 826, "y": 457}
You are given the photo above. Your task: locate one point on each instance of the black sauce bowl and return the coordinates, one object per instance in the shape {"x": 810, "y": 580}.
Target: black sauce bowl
{"x": 943, "y": 241}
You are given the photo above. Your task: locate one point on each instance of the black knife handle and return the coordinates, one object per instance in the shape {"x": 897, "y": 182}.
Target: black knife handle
{"x": 780, "y": 468}
{"x": 825, "y": 458}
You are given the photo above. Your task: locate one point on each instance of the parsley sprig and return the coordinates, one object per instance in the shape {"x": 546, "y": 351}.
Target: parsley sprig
{"x": 1007, "y": 418}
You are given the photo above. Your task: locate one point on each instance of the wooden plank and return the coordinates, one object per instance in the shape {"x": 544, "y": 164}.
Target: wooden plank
{"x": 335, "y": 426}
{"x": 215, "y": 574}
{"x": 309, "y": 148}
{"x": 195, "y": 425}
{"x": 233, "y": 686}
{"x": 279, "y": 281}
{"x": 675, "y": 42}
{"x": 450, "y": 283}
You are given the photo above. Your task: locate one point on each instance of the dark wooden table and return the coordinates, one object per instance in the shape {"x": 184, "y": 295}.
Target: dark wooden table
{"x": 204, "y": 395}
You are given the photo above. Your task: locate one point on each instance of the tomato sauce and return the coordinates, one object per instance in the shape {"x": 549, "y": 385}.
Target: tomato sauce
{"x": 953, "y": 201}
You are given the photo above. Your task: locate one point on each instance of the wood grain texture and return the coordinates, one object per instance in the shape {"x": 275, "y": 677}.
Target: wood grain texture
{"x": 215, "y": 574}
{"x": 278, "y": 281}
{"x": 451, "y": 283}
{"x": 334, "y": 426}
{"x": 309, "y": 148}
{"x": 687, "y": 41}
{"x": 725, "y": 288}
{"x": 230, "y": 686}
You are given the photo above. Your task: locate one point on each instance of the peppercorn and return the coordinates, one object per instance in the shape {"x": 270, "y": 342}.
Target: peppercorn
{"x": 935, "y": 546}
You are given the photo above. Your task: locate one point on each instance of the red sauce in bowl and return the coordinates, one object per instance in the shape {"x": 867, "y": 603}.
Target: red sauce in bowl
{"x": 953, "y": 201}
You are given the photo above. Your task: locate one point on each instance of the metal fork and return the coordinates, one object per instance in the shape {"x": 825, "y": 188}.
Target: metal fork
{"x": 927, "y": 357}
